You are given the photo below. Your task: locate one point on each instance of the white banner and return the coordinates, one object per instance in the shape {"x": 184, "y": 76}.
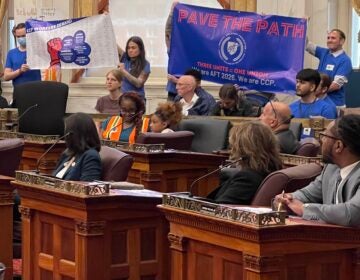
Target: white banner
{"x": 74, "y": 43}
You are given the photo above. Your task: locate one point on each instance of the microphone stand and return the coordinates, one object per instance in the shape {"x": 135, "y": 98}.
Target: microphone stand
{"x": 210, "y": 173}
{"x": 10, "y": 126}
{"x": 37, "y": 171}
{"x": 122, "y": 121}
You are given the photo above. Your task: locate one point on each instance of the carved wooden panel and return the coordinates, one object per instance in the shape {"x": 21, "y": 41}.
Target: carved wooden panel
{"x": 206, "y": 261}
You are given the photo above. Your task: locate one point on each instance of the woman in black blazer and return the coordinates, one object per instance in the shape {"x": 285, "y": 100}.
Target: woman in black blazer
{"x": 81, "y": 160}
{"x": 256, "y": 145}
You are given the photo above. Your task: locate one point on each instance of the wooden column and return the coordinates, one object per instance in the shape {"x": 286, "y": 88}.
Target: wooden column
{"x": 178, "y": 257}
{"x": 89, "y": 244}
{"x": 27, "y": 243}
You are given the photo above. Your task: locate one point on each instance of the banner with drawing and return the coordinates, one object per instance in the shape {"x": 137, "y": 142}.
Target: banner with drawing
{"x": 74, "y": 43}
{"x": 257, "y": 52}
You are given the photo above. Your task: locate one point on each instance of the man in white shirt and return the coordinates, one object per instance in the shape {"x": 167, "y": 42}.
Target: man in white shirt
{"x": 194, "y": 103}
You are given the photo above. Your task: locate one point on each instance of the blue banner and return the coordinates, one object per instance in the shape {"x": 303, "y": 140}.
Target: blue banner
{"x": 256, "y": 52}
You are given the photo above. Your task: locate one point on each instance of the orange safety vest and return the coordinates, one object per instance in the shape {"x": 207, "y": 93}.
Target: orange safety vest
{"x": 114, "y": 128}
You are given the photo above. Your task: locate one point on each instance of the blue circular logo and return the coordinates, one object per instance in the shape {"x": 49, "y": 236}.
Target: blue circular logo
{"x": 232, "y": 48}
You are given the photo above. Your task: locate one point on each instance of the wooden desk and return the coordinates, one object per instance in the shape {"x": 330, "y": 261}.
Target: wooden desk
{"x": 6, "y": 228}
{"x": 34, "y": 147}
{"x": 72, "y": 236}
{"x": 204, "y": 247}
{"x": 175, "y": 171}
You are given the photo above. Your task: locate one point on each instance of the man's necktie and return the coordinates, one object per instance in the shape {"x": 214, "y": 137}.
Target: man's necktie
{"x": 338, "y": 192}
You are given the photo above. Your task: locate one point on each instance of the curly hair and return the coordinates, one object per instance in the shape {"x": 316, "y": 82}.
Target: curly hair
{"x": 169, "y": 112}
{"x": 257, "y": 145}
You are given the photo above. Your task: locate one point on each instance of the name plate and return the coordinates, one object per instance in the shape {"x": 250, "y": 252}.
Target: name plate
{"x": 293, "y": 160}
{"x": 143, "y": 148}
{"x": 258, "y": 217}
{"x": 31, "y": 138}
{"x": 74, "y": 187}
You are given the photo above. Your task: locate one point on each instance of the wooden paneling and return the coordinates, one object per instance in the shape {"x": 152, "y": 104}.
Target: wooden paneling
{"x": 6, "y": 226}
{"x": 204, "y": 247}
{"x": 114, "y": 236}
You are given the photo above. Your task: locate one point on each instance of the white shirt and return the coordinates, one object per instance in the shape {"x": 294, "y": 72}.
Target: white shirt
{"x": 188, "y": 105}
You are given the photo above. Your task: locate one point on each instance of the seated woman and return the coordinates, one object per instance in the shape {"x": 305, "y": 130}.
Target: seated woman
{"x": 109, "y": 104}
{"x": 81, "y": 160}
{"x": 231, "y": 104}
{"x": 166, "y": 117}
{"x": 256, "y": 145}
{"x": 129, "y": 123}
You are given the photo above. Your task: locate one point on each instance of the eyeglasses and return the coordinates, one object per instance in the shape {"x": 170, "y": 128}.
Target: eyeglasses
{"x": 125, "y": 112}
{"x": 322, "y": 135}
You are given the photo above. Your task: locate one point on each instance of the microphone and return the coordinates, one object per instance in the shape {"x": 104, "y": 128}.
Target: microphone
{"x": 122, "y": 121}
{"x": 210, "y": 173}
{"x": 37, "y": 171}
{"x": 10, "y": 126}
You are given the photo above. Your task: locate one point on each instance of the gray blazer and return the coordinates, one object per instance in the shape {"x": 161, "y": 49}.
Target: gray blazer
{"x": 321, "y": 195}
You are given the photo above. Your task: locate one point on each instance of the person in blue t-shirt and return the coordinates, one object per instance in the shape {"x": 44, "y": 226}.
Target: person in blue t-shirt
{"x": 134, "y": 67}
{"x": 307, "y": 81}
{"x": 322, "y": 89}
{"x": 334, "y": 62}
{"x": 16, "y": 68}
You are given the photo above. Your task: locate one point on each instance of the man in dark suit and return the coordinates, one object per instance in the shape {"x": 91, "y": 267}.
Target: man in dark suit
{"x": 277, "y": 116}
{"x": 334, "y": 196}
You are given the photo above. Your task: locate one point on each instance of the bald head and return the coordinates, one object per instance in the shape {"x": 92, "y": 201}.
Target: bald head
{"x": 186, "y": 86}
{"x": 276, "y": 115}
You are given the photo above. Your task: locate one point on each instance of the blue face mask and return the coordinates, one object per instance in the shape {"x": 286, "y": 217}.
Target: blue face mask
{"x": 22, "y": 41}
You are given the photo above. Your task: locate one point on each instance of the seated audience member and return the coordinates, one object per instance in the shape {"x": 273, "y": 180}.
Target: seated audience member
{"x": 109, "y": 104}
{"x": 194, "y": 103}
{"x": 81, "y": 160}
{"x": 307, "y": 81}
{"x": 126, "y": 126}
{"x": 256, "y": 145}
{"x": 166, "y": 117}
{"x": 322, "y": 89}
{"x": 231, "y": 104}
{"x": 277, "y": 116}
{"x": 334, "y": 196}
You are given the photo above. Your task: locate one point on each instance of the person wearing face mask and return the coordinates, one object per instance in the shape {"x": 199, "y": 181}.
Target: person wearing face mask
{"x": 16, "y": 68}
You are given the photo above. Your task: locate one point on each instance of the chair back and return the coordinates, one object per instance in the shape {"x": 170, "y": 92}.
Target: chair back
{"x": 309, "y": 147}
{"x": 47, "y": 118}
{"x": 115, "y": 164}
{"x": 10, "y": 155}
{"x": 209, "y": 134}
{"x": 178, "y": 140}
{"x": 288, "y": 179}
{"x": 296, "y": 128}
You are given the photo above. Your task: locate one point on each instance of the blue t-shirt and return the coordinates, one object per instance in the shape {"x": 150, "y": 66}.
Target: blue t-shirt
{"x": 334, "y": 66}
{"x": 126, "y": 85}
{"x": 15, "y": 58}
{"x": 317, "y": 108}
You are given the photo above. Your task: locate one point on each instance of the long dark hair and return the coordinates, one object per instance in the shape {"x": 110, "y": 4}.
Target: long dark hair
{"x": 138, "y": 63}
{"x": 83, "y": 134}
